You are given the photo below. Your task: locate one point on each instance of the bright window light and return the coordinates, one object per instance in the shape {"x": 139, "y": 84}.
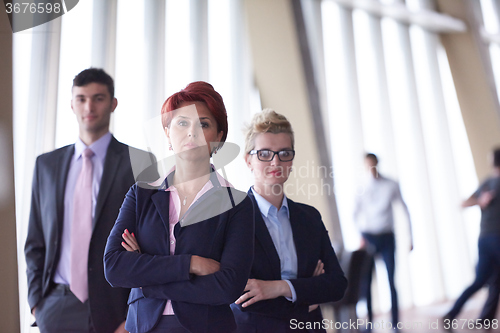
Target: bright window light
{"x": 219, "y": 50}
{"x": 76, "y": 48}
{"x": 178, "y": 49}
{"x": 129, "y": 78}
{"x": 490, "y": 17}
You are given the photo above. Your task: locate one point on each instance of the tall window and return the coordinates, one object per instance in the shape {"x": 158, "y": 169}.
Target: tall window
{"x": 185, "y": 50}
{"x": 389, "y": 91}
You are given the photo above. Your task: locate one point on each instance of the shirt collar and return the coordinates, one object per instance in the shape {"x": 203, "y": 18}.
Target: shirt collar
{"x": 99, "y": 147}
{"x": 215, "y": 178}
{"x": 265, "y": 206}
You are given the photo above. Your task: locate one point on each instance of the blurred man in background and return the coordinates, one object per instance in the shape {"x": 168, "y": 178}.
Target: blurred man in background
{"x": 374, "y": 218}
{"x": 488, "y": 265}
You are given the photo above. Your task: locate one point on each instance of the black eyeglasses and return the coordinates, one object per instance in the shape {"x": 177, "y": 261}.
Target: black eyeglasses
{"x": 266, "y": 155}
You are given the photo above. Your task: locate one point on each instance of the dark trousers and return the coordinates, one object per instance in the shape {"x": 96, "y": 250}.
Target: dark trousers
{"x": 487, "y": 265}
{"x": 384, "y": 245}
{"x": 61, "y": 312}
{"x": 491, "y": 305}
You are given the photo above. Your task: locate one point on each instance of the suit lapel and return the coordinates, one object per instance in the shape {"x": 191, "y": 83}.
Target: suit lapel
{"x": 114, "y": 156}
{"x": 263, "y": 236}
{"x": 299, "y": 232}
{"x": 62, "y": 169}
{"x": 161, "y": 200}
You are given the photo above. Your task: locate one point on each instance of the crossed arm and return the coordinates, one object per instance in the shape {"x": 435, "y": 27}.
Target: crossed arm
{"x": 326, "y": 283}
{"x": 259, "y": 290}
{"x": 181, "y": 277}
{"x": 198, "y": 265}
{"x": 255, "y": 290}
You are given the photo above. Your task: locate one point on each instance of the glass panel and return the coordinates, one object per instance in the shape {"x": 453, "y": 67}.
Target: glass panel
{"x": 129, "y": 78}
{"x": 76, "y": 48}
{"x": 178, "y": 49}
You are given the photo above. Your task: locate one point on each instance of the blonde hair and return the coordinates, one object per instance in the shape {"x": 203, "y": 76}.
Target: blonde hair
{"x": 267, "y": 121}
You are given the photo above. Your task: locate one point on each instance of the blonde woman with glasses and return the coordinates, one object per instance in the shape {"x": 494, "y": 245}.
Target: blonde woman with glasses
{"x": 295, "y": 267}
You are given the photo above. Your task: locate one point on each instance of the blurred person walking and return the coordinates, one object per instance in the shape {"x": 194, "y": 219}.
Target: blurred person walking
{"x": 374, "y": 218}
{"x": 488, "y": 265}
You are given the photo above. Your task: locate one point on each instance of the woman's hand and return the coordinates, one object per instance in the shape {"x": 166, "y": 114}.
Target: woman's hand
{"x": 121, "y": 328}
{"x": 203, "y": 266}
{"x": 313, "y": 307}
{"x": 130, "y": 243}
{"x": 258, "y": 290}
{"x": 320, "y": 269}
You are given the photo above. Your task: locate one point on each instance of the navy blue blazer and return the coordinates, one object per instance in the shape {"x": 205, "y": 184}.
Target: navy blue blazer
{"x": 311, "y": 243}
{"x": 200, "y": 303}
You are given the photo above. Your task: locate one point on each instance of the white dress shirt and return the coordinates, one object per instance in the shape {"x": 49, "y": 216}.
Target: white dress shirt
{"x": 374, "y": 204}
{"x": 278, "y": 224}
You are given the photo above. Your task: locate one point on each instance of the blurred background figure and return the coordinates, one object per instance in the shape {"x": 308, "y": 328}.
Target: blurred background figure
{"x": 377, "y": 229}
{"x": 487, "y": 269}
{"x": 491, "y": 305}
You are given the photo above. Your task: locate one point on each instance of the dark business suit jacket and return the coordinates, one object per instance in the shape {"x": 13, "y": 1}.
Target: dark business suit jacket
{"x": 311, "y": 243}
{"x": 200, "y": 303}
{"x": 42, "y": 249}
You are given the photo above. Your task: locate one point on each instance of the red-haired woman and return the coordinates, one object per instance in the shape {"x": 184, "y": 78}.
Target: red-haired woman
{"x": 186, "y": 247}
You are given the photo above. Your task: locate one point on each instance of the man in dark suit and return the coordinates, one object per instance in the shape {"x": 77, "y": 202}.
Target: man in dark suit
{"x": 76, "y": 195}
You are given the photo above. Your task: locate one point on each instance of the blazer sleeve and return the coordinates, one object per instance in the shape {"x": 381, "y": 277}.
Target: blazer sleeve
{"x": 278, "y": 307}
{"x": 34, "y": 249}
{"x": 327, "y": 287}
{"x": 131, "y": 270}
{"x": 227, "y": 284}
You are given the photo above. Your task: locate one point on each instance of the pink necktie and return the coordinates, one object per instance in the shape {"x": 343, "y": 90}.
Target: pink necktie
{"x": 81, "y": 229}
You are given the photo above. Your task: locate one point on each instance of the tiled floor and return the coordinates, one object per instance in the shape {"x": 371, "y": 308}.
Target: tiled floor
{"x": 428, "y": 319}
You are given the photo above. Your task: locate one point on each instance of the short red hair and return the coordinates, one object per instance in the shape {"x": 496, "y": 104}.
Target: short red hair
{"x": 198, "y": 91}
